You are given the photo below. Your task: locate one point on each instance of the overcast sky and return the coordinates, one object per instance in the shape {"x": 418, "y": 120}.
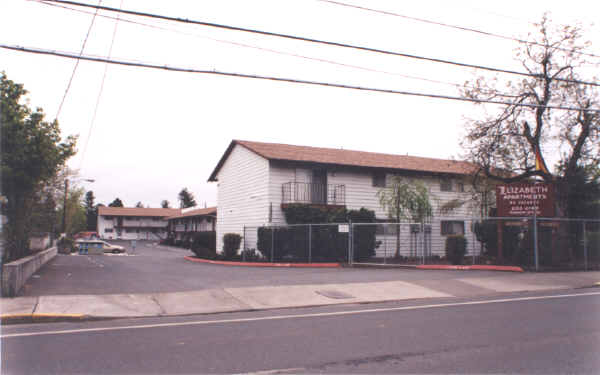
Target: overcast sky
{"x": 156, "y": 131}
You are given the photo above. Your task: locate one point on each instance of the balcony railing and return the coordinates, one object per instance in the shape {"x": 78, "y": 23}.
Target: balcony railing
{"x": 310, "y": 193}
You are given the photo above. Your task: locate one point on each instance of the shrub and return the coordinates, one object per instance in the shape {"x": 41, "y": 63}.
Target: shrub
{"x": 456, "y": 248}
{"x": 364, "y": 237}
{"x": 291, "y": 243}
{"x": 593, "y": 246}
{"x": 251, "y": 255}
{"x": 65, "y": 245}
{"x": 204, "y": 244}
{"x": 231, "y": 245}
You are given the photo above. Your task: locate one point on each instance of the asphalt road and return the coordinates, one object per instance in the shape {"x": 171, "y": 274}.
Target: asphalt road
{"x": 153, "y": 269}
{"x": 524, "y": 333}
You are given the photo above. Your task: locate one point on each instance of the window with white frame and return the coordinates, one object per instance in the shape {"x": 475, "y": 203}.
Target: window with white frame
{"x": 450, "y": 227}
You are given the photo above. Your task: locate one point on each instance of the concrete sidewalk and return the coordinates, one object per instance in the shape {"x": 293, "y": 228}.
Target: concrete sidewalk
{"x": 83, "y": 307}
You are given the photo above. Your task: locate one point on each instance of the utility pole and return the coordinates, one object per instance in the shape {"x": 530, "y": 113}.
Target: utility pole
{"x": 64, "y": 218}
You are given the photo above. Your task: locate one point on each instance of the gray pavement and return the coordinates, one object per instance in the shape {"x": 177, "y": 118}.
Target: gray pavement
{"x": 161, "y": 269}
{"x": 555, "y": 332}
{"x": 158, "y": 281}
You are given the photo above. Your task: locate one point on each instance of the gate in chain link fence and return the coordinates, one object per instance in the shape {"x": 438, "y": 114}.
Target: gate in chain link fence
{"x": 531, "y": 242}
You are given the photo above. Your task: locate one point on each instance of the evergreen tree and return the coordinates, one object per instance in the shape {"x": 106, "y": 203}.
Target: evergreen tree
{"x": 186, "y": 199}
{"x": 116, "y": 203}
{"x": 91, "y": 211}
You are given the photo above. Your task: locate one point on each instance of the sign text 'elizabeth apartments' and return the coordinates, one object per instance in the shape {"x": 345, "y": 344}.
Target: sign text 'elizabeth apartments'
{"x": 525, "y": 200}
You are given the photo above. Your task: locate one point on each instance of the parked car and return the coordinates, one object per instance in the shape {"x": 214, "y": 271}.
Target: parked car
{"x": 90, "y": 245}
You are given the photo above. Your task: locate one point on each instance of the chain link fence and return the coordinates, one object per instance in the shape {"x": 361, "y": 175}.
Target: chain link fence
{"x": 302, "y": 243}
{"x": 530, "y": 242}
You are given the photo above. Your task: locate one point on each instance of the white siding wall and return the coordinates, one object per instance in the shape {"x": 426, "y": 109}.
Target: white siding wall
{"x": 104, "y": 224}
{"x": 277, "y": 177}
{"x": 360, "y": 192}
{"x": 249, "y": 185}
{"x": 242, "y": 193}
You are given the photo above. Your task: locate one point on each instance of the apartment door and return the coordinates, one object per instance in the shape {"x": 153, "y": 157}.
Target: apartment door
{"x": 319, "y": 187}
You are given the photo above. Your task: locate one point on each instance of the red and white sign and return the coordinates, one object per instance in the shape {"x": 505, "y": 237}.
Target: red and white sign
{"x": 525, "y": 200}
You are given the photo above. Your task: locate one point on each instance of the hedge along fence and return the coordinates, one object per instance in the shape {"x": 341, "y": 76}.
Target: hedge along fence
{"x": 303, "y": 241}
{"x": 456, "y": 248}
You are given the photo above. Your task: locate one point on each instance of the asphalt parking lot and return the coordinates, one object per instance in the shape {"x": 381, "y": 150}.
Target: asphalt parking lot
{"x": 155, "y": 269}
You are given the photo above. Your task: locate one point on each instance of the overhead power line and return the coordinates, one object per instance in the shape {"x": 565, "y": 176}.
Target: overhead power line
{"x": 76, "y": 64}
{"x": 461, "y": 28}
{"x": 282, "y": 79}
{"x": 93, "y": 122}
{"x": 319, "y": 41}
{"x": 317, "y": 59}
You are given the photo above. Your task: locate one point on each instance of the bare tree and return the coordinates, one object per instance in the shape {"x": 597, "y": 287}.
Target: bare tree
{"x": 505, "y": 143}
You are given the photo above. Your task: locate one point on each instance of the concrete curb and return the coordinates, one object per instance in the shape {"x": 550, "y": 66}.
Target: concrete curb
{"x": 43, "y": 318}
{"x": 264, "y": 264}
{"x": 442, "y": 267}
{"x": 468, "y": 268}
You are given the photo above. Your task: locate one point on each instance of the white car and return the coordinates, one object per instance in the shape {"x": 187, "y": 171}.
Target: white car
{"x": 86, "y": 246}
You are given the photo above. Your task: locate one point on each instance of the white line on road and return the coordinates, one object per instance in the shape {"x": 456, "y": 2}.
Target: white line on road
{"x": 278, "y": 317}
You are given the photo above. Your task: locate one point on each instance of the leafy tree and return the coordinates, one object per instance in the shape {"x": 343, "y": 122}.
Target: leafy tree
{"x": 116, "y": 203}
{"x": 139, "y": 205}
{"x": 32, "y": 154}
{"x": 186, "y": 199}
{"x": 165, "y": 204}
{"x": 91, "y": 211}
{"x": 584, "y": 200}
{"x": 505, "y": 143}
{"x": 405, "y": 201}
{"x": 76, "y": 216}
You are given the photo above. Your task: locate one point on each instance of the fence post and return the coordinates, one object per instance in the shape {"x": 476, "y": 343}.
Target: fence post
{"x": 350, "y": 252}
{"x": 535, "y": 243}
{"x": 309, "y": 243}
{"x": 384, "y": 242}
{"x": 585, "y": 252}
{"x": 423, "y": 239}
{"x": 272, "y": 243}
{"x": 244, "y": 247}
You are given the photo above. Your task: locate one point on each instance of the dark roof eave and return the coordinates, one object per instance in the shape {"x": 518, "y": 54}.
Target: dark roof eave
{"x": 354, "y": 166}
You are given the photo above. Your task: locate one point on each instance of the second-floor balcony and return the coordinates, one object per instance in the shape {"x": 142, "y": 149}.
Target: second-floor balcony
{"x": 311, "y": 193}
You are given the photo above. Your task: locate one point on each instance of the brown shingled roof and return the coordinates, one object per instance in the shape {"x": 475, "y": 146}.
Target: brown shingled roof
{"x": 135, "y": 211}
{"x": 275, "y": 151}
{"x": 198, "y": 212}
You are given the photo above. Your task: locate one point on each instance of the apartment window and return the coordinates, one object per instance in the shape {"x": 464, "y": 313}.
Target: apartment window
{"x": 446, "y": 184}
{"x": 108, "y": 217}
{"x": 460, "y": 187}
{"x": 378, "y": 179}
{"x": 450, "y": 227}
{"x": 108, "y": 230}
